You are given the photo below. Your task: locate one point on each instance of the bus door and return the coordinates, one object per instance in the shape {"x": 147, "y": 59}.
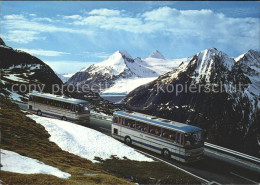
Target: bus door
{"x": 180, "y": 141}
{"x": 118, "y": 122}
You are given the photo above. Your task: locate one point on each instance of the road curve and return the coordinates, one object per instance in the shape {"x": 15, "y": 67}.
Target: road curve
{"x": 211, "y": 169}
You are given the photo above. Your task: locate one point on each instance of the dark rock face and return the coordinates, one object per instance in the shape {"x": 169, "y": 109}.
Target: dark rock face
{"x": 19, "y": 67}
{"x": 2, "y": 42}
{"x": 229, "y": 116}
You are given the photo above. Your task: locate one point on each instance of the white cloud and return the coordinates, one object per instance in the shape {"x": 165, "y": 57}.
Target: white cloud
{"x": 14, "y": 16}
{"x": 105, "y": 12}
{"x": 203, "y": 24}
{"x": 21, "y": 29}
{"x": 160, "y": 14}
{"x": 68, "y": 66}
{"x": 22, "y": 36}
{"x": 43, "y": 19}
{"x": 41, "y": 52}
{"x": 72, "y": 17}
{"x": 101, "y": 55}
{"x": 185, "y": 25}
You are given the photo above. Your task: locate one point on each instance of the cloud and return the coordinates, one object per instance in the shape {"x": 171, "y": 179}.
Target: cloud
{"x": 14, "y": 16}
{"x": 160, "y": 14}
{"x": 201, "y": 24}
{"x": 43, "y": 19}
{"x": 105, "y": 12}
{"x": 68, "y": 66}
{"x": 170, "y": 25}
{"x": 72, "y": 17}
{"x": 22, "y": 36}
{"x": 101, "y": 55}
{"x": 41, "y": 52}
{"x": 23, "y": 29}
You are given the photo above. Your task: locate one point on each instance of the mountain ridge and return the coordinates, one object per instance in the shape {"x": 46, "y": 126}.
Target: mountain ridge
{"x": 120, "y": 69}
{"x": 229, "y": 116}
{"x": 22, "y": 69}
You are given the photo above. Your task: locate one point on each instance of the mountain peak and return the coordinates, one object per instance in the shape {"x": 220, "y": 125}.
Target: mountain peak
{"x": 156, "y": 54}
{"x": 2, "y": 42}
{"x": 251, "y": 57}
{"x": 124, "y": 54}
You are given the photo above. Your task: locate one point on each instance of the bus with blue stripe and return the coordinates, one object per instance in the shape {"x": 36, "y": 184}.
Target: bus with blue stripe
{"x": 61, "y": 107}
{"x": 172, "y": 139}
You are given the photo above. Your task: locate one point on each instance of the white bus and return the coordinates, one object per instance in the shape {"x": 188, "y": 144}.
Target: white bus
{"x": 61, "y": 107}
{"x": 171, "y": 139}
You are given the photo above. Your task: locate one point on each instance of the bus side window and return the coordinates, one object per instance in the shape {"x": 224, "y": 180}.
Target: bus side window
{"x": 182, "y": 139}
{"x": 125, "y": 123}
{"x": 178, "y": 138}
{"x": 165, "y": 133}
{"x": 115, "y": 119}
{"x": 30, "y": 98}
{"x": 120, "y": 121}
{"x": 143, "y": 127}
{"x": 155, "y": 130}
{"x": 72, "y": 107}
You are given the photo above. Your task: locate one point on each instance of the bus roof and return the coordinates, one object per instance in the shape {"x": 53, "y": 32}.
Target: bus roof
{"x": 58, "y": 98}
{"x": 157, "y": 121}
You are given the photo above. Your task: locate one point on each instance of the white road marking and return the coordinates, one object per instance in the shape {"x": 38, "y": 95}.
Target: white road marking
{"x": 175, "y": 166}
{"x": 244, "y": 178}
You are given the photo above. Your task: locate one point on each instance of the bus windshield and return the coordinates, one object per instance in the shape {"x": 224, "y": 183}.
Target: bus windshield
{"x": 193, "y": 138}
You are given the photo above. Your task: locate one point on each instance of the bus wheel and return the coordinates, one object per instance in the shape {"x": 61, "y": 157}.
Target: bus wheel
{"x": 39, "y": 113}
{"x": 128, "y": 140}
{"x": 166, "y": 153}
{"x": 64, "y": 118}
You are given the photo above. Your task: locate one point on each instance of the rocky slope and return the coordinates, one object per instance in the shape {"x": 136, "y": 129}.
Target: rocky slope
{"x": 120, "y": 73}
{"x": 223, "y": 97}
{"x": 20, "y": 69}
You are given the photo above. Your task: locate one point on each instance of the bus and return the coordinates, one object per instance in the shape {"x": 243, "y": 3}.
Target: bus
{"x": 61, "y": 107}
{"x": 174, "y": 140}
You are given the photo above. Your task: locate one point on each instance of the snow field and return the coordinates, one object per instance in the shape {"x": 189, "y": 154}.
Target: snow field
{"x": 85, "y": 142}
{"x": 14, "y": 162}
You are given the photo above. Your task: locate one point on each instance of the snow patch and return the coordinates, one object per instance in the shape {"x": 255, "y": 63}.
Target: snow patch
{"x": 14, "y": 162}
{"x": 85, "y": 142}
{"x": 125, "y": 85}
{"x": 15, "y": 78}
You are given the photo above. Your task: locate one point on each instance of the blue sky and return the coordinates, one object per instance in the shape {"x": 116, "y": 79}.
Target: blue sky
{"x": 71, "y": 35}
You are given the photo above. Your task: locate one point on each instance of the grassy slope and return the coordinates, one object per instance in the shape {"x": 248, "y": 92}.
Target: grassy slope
{"x": 22, "y": 135}
{"x": 147, "y": 172}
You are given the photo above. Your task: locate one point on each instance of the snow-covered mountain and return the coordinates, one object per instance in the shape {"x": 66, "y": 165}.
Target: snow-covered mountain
{"x": 224, "y": 98}
{"x": 120, "y": 73}
{"x": 156, "y": 54}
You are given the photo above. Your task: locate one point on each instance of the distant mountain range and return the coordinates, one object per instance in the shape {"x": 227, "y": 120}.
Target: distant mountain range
{"x": 231, "y": 117}
{"x": 120, "y": 73}
{"x": 64, "y": 76}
